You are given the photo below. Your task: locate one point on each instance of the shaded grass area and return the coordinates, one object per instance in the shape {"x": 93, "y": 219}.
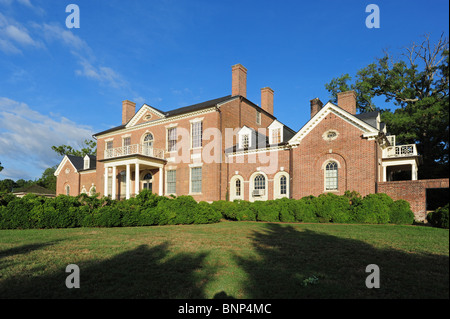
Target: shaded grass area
{"x": 226, "y": 260}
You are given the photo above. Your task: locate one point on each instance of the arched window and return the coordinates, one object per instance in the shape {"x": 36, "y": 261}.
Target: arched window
{"x": 67, "y": 190}
{"x": 148, "y": 144}
{"x": 283, "y": 185}
{"x": 331, "y": 176}
{"x": 238, "y": 187}
{"x": 260, "y": 182}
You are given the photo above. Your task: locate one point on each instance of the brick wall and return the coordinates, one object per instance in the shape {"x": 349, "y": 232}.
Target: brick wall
{"x": 414, "y": 192}
{"x": 355, "y": 155}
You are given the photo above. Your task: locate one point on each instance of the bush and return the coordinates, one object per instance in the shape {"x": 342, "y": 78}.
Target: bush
{"x": 373, "y": 209}
{"x": 332, "y": 208}
{"x": 439, "y": 218}
{"x": 400, "y": 213}
{"x": 305, "y": 210}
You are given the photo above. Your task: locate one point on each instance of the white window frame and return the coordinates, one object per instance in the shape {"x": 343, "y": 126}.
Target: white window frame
{"x": 170, "y": 147}
{"x": 168, "y": 182}
{"x": 329, "y": 175}
{"x": 252, "y": 187}
{"x": 191, "y": 184}
{"x": 196, "y": 134}
{"x": 277, "y": 185}
{"x": 233, "y": 181}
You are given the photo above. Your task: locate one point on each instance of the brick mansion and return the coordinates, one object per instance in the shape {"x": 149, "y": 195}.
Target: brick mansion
{"x": 232, "y": 148}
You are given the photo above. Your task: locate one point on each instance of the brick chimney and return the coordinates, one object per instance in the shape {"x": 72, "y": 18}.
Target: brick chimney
{"x": 239, "y": 80}
{"x": 316, "y": 106}
{"x": 347, "y": 101}
{"x": 267, "y": 99}
{"x": 128, "y": 111}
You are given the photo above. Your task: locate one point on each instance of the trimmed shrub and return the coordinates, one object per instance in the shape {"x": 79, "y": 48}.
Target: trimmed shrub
{"x": 400, "y": 213}
{"x": 373, "y": 209}
{"x": 439, "y": 218}
{"x": 305, "y": 210}
{"x": 332, "y": 208}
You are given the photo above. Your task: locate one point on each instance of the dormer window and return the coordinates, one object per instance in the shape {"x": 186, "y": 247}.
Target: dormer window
{"x": 275, "y": 132}
{"x": 276, "y": 136}
{"x": 245, "y": 137}
{"x": 87, "y": 161}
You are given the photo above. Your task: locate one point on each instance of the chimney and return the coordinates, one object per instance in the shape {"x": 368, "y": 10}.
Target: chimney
{"x": 347, "y": 101}
{"x": 267, "y": 99}
{"x": 239, "y": 80}
{"x": 128, "y": 111}
{"x": 316, "y": 106}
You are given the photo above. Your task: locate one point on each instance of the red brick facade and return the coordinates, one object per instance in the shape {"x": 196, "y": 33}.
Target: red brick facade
{"x": 335, "y": 151}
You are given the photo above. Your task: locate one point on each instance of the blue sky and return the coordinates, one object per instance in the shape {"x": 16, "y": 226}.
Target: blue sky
{"x": 59, "y": 85}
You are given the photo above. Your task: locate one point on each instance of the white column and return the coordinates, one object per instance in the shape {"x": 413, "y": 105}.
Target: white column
{"x": 127, "y": 186}
{"x": 114, "y": 180}
{"x": 105, "y": 187}
{"x": 161, "y": 181}
{"x": 414, "y": 172}
{"x": 136, "y": 180}
{"x": 384, "y": 173}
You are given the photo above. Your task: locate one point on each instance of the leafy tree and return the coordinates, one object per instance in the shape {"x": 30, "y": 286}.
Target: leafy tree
{"x": 1, "y": 167}
{"x": 88, "y": 147}
{"x": 48, "y": 179}
{"x": 417, "y": 83}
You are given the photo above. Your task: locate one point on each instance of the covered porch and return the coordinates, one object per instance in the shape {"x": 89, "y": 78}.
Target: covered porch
{"x": 126, "y": 177}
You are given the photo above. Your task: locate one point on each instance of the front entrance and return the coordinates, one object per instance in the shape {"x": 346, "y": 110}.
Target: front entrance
{"x": 147, "y": 182}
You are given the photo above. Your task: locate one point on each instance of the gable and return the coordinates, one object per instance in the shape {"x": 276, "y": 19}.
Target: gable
{"x": 367, "y": 130}
{"x": 146, "y": 113}
{"x": 64, "y": 161}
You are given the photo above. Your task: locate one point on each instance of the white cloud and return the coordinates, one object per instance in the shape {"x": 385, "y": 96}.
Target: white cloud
{"x": 26, "y": 138}
{"x": 14, "y": 36}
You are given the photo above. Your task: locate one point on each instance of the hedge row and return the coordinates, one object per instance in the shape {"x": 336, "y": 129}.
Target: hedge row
{"x": 83, "y": 211}
{"x": 439, "y": 218}
{"x": 149, "y": 209}
{"x": 348, "y": 208}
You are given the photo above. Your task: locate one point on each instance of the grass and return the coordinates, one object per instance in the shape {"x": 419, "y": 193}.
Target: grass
{"x": 227, "y": 260}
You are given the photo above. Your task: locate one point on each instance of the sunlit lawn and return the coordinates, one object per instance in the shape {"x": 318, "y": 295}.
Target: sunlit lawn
{"x": 228, "y": 259}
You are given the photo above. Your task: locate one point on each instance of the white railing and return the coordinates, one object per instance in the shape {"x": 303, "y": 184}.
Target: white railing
{"x": 400, "y": 151}
{"x": 135, "y": 149}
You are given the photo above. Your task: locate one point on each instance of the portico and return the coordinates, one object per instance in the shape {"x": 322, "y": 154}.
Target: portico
{"x": 124, "y": 177}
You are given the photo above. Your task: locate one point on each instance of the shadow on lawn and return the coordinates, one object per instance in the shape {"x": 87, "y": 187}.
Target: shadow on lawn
{"x": 306, "y": 264}
{"x": 144, "y": 272}
{"x": 289, "y": 263}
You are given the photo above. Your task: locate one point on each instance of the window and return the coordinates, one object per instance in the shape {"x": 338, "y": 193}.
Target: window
{"x": 276, "y": 136}
{"x": 196, "y": 180}
{"x": 283, "y": 185}
{"x": 86, "y": 163}
{"x": 171, "y": 182}
{"x": 109, "y": 149}
{"x": 67, "y": 190}
{"x": 109, "y": 145}
{"x": 331, "y": 176}
{"x": 258, "y": 117}
{"x": 92, "y": 190}
{"x": 126, "y": 145}
{"x": 172, "y": 139}
{"x": 245, "y": 141}
{"x": 260, "y": 182}
{"x": 148, "y": 145}
{"x": 197, "y": 134}
{"x": 238, "y": 187}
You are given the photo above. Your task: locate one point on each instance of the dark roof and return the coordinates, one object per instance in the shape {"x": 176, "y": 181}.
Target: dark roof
{"x": 198, "y": 106}
{"x": 178, "y": 111}
{"x": 78, "y": 162}
{"x": 35, "y": 189}
{"x": 369, "y": 117}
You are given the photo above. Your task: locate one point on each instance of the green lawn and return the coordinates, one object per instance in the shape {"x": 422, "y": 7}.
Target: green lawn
{"x": 228, "y": 259}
